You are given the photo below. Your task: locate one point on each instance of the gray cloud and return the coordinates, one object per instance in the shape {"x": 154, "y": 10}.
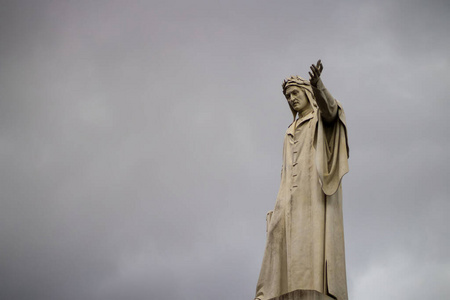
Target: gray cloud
{"x": 141, "y": 143}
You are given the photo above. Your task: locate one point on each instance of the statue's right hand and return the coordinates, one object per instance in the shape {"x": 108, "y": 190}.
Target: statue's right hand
{"x": 316, "y": 71}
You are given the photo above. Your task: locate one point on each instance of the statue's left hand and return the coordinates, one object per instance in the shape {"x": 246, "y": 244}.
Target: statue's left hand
{"x": 316, "y": 71}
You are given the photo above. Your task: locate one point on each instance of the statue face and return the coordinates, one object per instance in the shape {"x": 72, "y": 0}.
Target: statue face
{"x": 297, "y": 98}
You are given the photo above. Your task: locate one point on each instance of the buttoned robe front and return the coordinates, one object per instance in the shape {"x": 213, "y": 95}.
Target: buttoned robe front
{"x": 305, "y": 238}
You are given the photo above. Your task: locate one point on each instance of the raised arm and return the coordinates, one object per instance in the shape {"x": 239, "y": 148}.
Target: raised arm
{"x": 327, "y": 104}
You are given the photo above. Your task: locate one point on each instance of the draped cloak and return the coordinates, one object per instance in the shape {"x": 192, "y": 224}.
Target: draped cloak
{"x": 305, "y": 233}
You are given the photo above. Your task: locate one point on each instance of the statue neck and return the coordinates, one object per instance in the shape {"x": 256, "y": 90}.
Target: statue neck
{"x": 305, "y": 111}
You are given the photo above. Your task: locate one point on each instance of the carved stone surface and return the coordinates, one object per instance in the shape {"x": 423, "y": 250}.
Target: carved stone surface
{"x": 303, "y": 295}
{"x": 305, "y": 231}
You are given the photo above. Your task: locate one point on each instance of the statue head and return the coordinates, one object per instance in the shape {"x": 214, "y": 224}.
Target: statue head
{"x": 298, "y": 93}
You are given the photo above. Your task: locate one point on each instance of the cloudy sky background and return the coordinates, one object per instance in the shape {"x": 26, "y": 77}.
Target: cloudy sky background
{"x": 140, "y": 143}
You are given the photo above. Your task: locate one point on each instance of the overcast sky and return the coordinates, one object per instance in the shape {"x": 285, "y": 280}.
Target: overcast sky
{"x": 140, "y": 143}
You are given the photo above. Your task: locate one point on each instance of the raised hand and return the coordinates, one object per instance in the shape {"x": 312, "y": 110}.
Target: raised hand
{"x": 316, "y": 71}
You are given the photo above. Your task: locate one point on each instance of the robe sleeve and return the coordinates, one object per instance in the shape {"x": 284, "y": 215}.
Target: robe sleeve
{"x": 332, "y": 151}
{"x": 327, "y": 104}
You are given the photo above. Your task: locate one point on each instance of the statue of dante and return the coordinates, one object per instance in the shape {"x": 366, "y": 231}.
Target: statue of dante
{"x": 305, "y": 233}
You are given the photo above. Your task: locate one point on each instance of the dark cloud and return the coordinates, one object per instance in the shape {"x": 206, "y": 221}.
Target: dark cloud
{"x": 141, "y": 143}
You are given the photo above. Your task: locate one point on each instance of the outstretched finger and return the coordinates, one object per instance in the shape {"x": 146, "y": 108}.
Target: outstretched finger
{"x": 310, "y": 75}
{"x": 315, "y": 71}
{"x": 318, "y": 68}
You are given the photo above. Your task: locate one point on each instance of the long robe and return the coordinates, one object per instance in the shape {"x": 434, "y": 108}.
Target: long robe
{"x": 305, "y": 235}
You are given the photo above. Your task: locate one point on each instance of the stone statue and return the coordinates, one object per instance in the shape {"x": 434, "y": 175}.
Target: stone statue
{"x": 305, "y": 234}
